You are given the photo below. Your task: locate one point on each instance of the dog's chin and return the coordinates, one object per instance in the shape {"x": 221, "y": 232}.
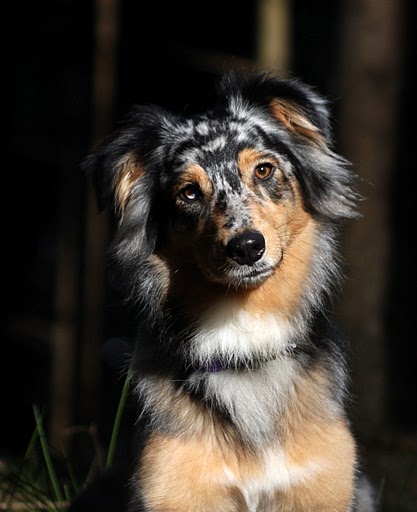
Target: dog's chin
{"x": 241, "y": 277}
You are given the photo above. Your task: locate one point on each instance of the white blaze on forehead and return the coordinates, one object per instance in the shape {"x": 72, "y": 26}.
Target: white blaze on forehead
{"x": 191, "y": 156}
{"x": 220, "y": 182}
{"x": 250, "y": 117}
{"x": 180, "y": 131}
{"x": 216, "y": 144}
{"x": 202, "y": 128}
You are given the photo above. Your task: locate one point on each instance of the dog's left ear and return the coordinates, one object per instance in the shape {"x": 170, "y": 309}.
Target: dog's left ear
{"x": 304, "y": 116}
{"x": 293, "y": 117}
{"x": 299, "y": 109}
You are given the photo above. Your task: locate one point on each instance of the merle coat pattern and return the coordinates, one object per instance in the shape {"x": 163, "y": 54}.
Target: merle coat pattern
{"x": 227, "y": 238}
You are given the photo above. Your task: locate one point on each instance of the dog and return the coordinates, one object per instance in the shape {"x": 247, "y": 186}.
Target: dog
{"x": 227, "y": 237}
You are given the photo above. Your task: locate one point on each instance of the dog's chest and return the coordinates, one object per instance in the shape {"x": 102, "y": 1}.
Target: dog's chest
{"x": 273, "y": 476}
{"x": 199, "y": 474}
{"x": 254, "y": 397}
{"x": 228, "y": 331}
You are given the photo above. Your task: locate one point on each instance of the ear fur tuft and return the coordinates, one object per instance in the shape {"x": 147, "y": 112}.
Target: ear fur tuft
{"x": 296, "y": 105}
{"x": 129, "y": 173}
{"x": 119, "y": 161}
{"x": 295, "y": 121}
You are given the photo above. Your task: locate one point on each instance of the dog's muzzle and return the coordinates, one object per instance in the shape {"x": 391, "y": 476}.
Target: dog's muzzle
{"x": 246, "y": 248}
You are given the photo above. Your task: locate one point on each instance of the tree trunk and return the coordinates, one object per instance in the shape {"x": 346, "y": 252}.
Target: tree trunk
{"x": 104, "y": 81}
{"x": 273, "y": 35}
{"x": 370, "y": 60}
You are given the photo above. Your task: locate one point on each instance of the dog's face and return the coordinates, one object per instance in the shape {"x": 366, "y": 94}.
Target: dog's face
{"x": 229, "y": 191}
{"x": 234, "y": 203}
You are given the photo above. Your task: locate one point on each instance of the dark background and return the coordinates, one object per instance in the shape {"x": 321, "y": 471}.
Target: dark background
{"x": 170, "y": 54}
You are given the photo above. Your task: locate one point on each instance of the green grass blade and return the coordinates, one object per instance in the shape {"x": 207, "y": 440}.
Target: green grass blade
{"x": 28, "y": 454}
{"x": 46, "y": 454}
{"x": 67, "y": 491}
{"x": 31, "y": 445}
{"x": 29, "y": 491}
{"x": 118, "y": 418}
{"x": 71, "y": 473}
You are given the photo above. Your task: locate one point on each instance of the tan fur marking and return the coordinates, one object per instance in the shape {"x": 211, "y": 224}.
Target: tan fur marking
{"x": 287, "y": 229}
{"x": 129, "y": 173}
{"x": 288, "y": 114}
{"x": 290, "y": 230}
{"x": 248, "y": 159}
{"x": 194, "y": 174}
{"x": 181, "y": 474}
{"x": 201, "y": 473}
{"x": 223, "y": 233}
{"x": 317, "y": 436}
{"x": 309, "y": 467}
{"x": 331, "y": 447}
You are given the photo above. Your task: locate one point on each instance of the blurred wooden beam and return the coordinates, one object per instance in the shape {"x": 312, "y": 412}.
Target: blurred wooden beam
{"x": 273, "y": 35}
{"x": 370, "y": 79}
{"x": 63, "y": 329}
{"x": 104, "y": 84}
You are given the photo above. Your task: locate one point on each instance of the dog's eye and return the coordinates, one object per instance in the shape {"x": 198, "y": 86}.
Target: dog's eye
{"x": 264, "y": 171}
{"x": 190, "y": 193}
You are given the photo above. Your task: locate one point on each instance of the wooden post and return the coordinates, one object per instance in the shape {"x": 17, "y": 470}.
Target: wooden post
{"x": 370, "y": 75}
{"x": 273, "y": 35}
{"x": 104, "y": 83}
{"x": 63, "y": 330}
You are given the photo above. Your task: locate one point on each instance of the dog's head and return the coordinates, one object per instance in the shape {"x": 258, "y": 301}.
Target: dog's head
{"x": 227, "y": 193}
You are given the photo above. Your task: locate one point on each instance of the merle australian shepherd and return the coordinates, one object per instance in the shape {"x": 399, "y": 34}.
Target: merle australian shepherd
{"x": 227, "y": 237}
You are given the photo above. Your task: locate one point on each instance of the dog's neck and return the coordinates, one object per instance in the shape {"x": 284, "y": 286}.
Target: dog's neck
{"x": 230, "y": 328}
{"x": 227, "y": 336}
{"x": 218, "y": 364}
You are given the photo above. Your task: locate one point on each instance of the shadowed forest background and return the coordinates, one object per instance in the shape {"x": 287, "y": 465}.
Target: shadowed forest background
{"x": 73, "y": 69}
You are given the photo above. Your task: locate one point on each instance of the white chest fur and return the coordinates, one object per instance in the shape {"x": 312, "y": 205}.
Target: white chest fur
{"x": 275, "y": 474}
{"x": 228, "y": 332}
{"x": 254, "y": 399}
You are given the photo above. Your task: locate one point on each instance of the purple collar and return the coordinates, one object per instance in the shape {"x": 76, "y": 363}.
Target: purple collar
{"x": 218, "y": 365}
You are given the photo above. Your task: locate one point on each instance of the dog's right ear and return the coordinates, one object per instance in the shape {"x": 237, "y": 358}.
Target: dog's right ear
{"x": 113, "y": 176}
{"x": 92, "y": 167}
{"x": 118, "y": 163}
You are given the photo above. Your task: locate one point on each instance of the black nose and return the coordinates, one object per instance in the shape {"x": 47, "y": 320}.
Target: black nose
{"x": 246, "y": 248}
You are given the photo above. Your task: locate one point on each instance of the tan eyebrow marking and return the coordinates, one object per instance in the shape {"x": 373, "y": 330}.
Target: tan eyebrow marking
{"x": 194, "y": 173}
{"x": 248, "y": 159}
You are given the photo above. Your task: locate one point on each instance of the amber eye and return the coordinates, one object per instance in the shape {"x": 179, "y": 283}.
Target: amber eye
{"x": 190, "y": 193}
{"x": 264, "y": 171}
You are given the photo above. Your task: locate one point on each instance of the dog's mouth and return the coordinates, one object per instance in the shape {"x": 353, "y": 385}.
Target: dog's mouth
{"x": 243, "y": 262}
{"x": 251, "y": 276}
{"x": 238, "y": 276}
